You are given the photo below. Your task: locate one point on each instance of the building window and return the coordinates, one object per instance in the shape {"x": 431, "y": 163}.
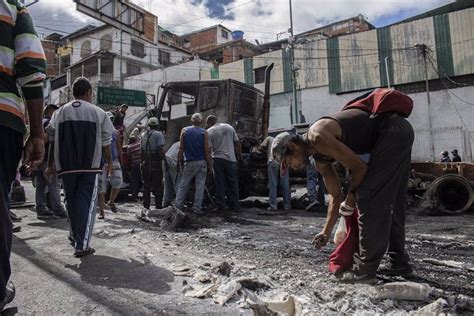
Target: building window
{"x": 86, "y": 49}
{"x": 259, "y": 75}
{"x": 164, "y": 58}
{"x": 106, "y": 42}
{"x": 133, "y": 70}
{"x": 138, "y": 49}
{"x": 224, "y": 34}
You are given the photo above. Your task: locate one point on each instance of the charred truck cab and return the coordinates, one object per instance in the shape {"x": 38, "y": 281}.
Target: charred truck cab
{"x": 238, "y": 104}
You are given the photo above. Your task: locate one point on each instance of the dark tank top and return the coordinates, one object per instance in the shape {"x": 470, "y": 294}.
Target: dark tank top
{"x": 359, "y": 131}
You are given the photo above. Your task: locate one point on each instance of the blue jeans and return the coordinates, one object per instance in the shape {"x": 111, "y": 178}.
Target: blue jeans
{"x": 226, "y": 178}
{"x": 54, "y": 192}
{"x": 273, "y": 177}
{"x": 192, "y": 170}
{"x": 172, "y": 179}
{"x": 315, "y": 185}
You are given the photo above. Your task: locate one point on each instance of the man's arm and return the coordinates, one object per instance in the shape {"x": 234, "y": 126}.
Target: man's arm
{"x": 107, "y": 153}
{"x": 181, "y": 150}
{"x": 334, "y": 189}
{"x": 238, "y": 149}
{"x": 119, "y": 147}
{"x": 207, "y": 152}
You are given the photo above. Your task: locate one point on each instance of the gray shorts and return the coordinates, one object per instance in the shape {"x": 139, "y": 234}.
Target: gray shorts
{"x": 115, "y": 179}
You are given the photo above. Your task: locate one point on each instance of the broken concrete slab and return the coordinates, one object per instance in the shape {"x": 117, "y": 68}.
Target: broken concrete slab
{"x": 409, "y": 291}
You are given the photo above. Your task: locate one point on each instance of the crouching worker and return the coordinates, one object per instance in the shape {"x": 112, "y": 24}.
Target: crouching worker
{"x": 374, "y": 123}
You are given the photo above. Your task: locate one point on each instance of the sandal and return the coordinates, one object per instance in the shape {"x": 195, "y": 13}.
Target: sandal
{"x": 113, "y": 208}
{"x": 102, "y": 216}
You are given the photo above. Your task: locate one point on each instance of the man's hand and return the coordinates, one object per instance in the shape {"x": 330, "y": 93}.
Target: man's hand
{"x": 320, "y": 240}
{"x": 33, "y": 153}
{"x": 210, "y": 170}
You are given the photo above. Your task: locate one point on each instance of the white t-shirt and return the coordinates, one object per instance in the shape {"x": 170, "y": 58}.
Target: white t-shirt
{"x": 222, "y": 137}
{"x": 172, "y": 154}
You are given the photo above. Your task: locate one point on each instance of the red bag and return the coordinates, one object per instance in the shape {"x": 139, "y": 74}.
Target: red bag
{"x": 343, "y": 256}
{"x": 382, "y": 100}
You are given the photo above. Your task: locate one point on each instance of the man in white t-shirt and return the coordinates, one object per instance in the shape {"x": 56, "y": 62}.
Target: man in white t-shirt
{"x": 171, "y": 174}
{"x": 225, "y": 147}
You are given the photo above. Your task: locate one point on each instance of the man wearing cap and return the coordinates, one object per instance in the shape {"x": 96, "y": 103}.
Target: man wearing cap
{"x": 50, "y": 185}
{"x": 194, "y": 151}
{"x": 118, "y": 120}
{"x": 456, "y": 157}
{"x": 378, "y": 189}
{"x": 444, "y": 156}
{"x": 152, "y": 145}
{"x": 275, "y": 176}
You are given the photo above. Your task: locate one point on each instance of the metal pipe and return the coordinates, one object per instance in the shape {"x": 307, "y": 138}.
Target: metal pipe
{"x": 386, "y": 72}
{"x": 266, "y": 102}
{"x": 451, "y": 194}
{"x": 293, "y": 71}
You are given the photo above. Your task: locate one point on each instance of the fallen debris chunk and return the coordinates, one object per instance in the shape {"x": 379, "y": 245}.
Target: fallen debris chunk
{"x": 449, "y": 263}
{"x": 226, "y": 291}
{"x": 224, "y": 269}
{"x": 255, "y": 283}
{"x": 173, "y": 220}
{"x": 203, "y": 276}
{"x": 434, "y": 308}
{"x": 409, "y": 291}
{"x": 285, "y": 305}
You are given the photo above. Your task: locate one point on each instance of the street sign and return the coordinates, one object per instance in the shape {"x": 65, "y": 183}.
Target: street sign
{"x": 115, "y": 97}
{"x": 122, "y": 15}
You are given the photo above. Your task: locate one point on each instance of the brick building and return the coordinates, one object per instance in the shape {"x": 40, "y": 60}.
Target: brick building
{"x": 51, "y": 44}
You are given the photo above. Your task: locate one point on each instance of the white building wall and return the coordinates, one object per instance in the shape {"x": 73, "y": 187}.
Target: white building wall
{"x": 452, "y": 120}
{"x": 220, "y": 38}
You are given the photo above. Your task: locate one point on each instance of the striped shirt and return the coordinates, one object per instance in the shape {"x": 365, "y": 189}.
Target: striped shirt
{"x": 135, "y": 152}
{"x": 22, "y": 64}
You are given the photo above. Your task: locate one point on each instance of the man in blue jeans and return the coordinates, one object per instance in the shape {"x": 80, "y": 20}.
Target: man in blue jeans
{"x": 22, "y": 66}
{"x": 194, "y": 151}
{"x": 274, "y": 176}
{"x": 225, "y": 151}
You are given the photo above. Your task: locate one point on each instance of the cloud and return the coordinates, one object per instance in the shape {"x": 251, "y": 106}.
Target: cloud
{"x": 259, "y": 19}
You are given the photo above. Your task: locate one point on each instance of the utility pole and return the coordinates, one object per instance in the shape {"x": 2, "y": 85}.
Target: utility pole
{"x": 424, "y": 51}
{"x": 293, "y": 70}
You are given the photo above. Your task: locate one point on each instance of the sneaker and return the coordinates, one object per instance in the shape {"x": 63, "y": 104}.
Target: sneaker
{"x": 60, "y": 215}
{"x": 198, "y": 212}
{"x": 16, "y": 229}
{"x": 44, "y": 213}
{"x": 113, "y": 208}
{"x": 390, "y": 269}
{"x": 83, "y": 253}
{"x": 144, "y": 212}
{"x": 272, "y": 209}
{"x": 352, "y": 277}
{"x": 287, "y": 208}
{"x": 10, "y": 295}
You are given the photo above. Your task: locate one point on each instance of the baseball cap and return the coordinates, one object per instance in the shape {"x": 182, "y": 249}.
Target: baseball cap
{"x": 153, "y": 121}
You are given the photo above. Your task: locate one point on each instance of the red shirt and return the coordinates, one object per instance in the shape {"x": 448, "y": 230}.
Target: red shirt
{"x": 135, "y": 151}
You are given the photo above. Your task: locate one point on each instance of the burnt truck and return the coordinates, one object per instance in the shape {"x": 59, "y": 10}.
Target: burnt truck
{"x": 244, "y": 107}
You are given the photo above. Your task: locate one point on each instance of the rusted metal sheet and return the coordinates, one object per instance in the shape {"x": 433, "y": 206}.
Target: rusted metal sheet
{"x": 312, "y": 61}
{"x": 234, "y": 70}
{"x": 461, "y": 24}
{"x": 438, "y": 169}
{"x": 277, "y": 83}
{"x": 408, "y": 61}
{"x": 359, "y": 61}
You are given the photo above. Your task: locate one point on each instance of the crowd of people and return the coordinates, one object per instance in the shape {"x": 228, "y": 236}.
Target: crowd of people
{"x": 444, "y": 156}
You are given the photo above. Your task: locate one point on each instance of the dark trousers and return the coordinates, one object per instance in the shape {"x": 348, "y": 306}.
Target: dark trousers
{"x": 135, "y": 179}
{"x": 152, "y": 174}
{"x": 11, "y": 144}
{"x": 81, "y": 200}
{"x": 382, "y": 196}
{"x": 226, "y": 178}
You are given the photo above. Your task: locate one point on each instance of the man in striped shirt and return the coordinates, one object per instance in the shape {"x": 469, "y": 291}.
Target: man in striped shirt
{"x": 23, "y": 64}
{"x": 134, "y": 151}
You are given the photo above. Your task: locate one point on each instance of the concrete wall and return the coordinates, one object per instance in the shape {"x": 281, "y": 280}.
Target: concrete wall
{"x": 452, "y": 123}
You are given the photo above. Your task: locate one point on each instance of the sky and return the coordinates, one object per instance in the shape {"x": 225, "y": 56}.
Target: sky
{"x": 263, "y": 20}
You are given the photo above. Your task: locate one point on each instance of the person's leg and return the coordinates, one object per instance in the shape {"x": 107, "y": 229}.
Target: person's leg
{"x": 116, "y": 183}
{"x": 377, "y": 194}
{"x": 70, "y": 188}
{"x": 135, "y": 177}
{"x": 158, "y": 184}
{"x": 232, "y": 177}
{"x": 186, "y": 178}
{"x": 146, "y": 175}
{"x": 101, "y": 205}
{"x": 11, "y": 143}
{"x": 55, "y": 196}
{"x": 273, "y": 184}
{"x": 285, "y": 188}
{"x": 102, "y": 190}
{"x": 168, "y": 186}
{"x": 86, "y": 197}
{"x": 320, "y": 190}
{"x": 311, "y": 182}
{"x": 220, "y": 182}
{"x": 40, "y": 192}
{"x": 200, "y": 184}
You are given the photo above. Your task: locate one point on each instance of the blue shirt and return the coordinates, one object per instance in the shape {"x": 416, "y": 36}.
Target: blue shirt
{"x": 194, "y": 143}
